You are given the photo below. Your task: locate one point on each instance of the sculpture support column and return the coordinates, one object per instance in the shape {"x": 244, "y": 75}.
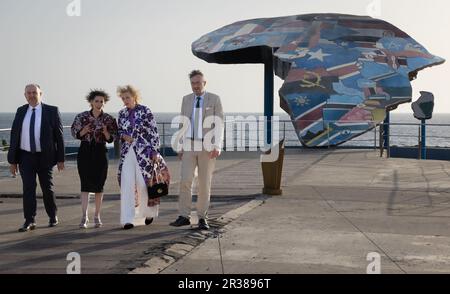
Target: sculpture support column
{"x": 386, "y": 133}
{"x": 423, "y": 139}
{"x": 268, "y": 93}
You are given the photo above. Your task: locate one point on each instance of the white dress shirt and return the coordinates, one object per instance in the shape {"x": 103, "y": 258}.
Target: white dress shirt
{"x": 200, "y": 125}
{"x": 25, "y": 135}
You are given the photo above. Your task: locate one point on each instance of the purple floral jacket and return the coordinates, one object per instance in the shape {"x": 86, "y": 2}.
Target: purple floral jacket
{"x": 140, "y": 124}
{"x": 85, "y": 118}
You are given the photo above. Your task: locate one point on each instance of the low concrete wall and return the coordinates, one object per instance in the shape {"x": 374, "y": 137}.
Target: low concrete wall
{"x": 413, "y": 152}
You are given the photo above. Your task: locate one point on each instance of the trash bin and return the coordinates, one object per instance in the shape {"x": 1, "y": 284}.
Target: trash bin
{"x": 272, "y": 172}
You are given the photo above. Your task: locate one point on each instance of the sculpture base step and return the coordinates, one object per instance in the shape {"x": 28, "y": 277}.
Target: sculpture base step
{"x": 273, "y": 192}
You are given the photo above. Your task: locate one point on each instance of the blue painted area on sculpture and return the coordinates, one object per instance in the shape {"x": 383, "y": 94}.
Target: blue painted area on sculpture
{"x": 349, "y": 60}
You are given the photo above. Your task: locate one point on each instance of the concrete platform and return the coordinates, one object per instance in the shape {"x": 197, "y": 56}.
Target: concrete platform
{"x": 109, "y": 249}
{"x": 337, "y": 207}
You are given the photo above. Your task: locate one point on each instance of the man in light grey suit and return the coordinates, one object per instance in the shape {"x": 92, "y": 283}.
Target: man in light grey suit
{"x": 202, "y": 144}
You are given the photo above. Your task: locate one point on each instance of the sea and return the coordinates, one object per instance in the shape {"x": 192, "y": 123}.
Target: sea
{"x": 405, "y": 134}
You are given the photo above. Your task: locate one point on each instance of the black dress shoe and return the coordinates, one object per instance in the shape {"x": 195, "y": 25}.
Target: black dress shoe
{"x": 53, "y": 222}
{"x": 27, "y": 227}
{"x": 203, "y": 224}
{"x": 128, "y": 226}
{"x": 181, "y": 221}
{"x": 148, "y": 221}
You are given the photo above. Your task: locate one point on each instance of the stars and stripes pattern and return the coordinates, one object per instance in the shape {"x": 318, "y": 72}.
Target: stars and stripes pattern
{"x": 341, "y": 72}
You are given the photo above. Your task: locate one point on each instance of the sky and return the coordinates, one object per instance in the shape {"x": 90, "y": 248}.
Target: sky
{"x": 147, "y": 44}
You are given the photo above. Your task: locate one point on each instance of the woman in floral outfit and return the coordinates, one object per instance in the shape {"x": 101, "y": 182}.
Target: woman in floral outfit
{"x": 94, "y": 129}
{"x": 139, "y": 154}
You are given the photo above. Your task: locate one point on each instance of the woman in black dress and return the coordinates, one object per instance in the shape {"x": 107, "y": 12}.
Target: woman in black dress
{"x": 94, "y": 128}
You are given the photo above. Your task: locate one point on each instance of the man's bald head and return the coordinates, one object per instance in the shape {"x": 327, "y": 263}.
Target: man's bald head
{"x": 33, "y": 94}
{"x": 34, "y": 86}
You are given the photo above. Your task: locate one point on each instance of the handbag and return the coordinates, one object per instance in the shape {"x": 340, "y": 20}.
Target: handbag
{"x": 159, "y": 186}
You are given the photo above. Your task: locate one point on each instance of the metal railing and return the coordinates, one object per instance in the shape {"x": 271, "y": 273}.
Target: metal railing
{"x": 286, "y": 128}
{"x": 400, "y": 134}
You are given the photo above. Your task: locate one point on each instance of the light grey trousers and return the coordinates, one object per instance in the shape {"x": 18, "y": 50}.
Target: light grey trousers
{"x": 205, "y": 168}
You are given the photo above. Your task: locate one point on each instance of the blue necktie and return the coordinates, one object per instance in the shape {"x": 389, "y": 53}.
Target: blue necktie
{"x": 195, "y": 134}
{"x": 32, "y": 139}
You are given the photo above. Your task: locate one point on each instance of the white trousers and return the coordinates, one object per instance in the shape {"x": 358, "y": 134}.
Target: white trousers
{"x": 132, "y": 181}
{"x": 205, "y": 167}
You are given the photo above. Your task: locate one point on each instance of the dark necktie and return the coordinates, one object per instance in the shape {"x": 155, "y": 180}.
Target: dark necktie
{"x": 32, "y": 139}
{"x": 195, "y": 134}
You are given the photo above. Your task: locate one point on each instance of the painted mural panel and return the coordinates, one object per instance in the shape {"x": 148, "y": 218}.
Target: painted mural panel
{"x": 341, "y": 72}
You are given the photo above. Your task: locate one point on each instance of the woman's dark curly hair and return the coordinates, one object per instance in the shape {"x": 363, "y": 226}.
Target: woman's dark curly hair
{"x": 94, "y": 93}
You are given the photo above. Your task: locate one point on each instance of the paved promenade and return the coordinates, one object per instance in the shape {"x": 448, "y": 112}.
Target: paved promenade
{"x": 337, "y": 207}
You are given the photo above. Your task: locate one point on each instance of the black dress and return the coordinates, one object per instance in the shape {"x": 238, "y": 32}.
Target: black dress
{"x": 92, "y": 159}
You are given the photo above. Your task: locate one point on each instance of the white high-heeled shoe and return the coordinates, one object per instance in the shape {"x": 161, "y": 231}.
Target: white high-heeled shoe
{"x": 98, "y": 222}
{"x": 84, "y": 222}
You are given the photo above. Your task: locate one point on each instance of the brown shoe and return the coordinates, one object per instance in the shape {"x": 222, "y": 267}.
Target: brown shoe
{"x": 181, "y": 221}
{"x": 203, "y": 224}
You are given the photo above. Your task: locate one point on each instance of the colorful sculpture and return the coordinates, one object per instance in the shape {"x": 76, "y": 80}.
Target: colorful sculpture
{"x": 341, "y": 72}
{"x": 424, "y": 106}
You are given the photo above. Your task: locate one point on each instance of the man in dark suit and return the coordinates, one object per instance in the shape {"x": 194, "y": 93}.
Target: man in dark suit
{"x": 36, "y": 146}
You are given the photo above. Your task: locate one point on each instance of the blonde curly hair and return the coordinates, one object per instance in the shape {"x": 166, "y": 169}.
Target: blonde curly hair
{"x": 131, "y": 90}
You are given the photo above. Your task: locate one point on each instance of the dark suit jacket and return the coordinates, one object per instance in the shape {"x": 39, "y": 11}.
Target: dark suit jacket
{"x": 52, "y": 141}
